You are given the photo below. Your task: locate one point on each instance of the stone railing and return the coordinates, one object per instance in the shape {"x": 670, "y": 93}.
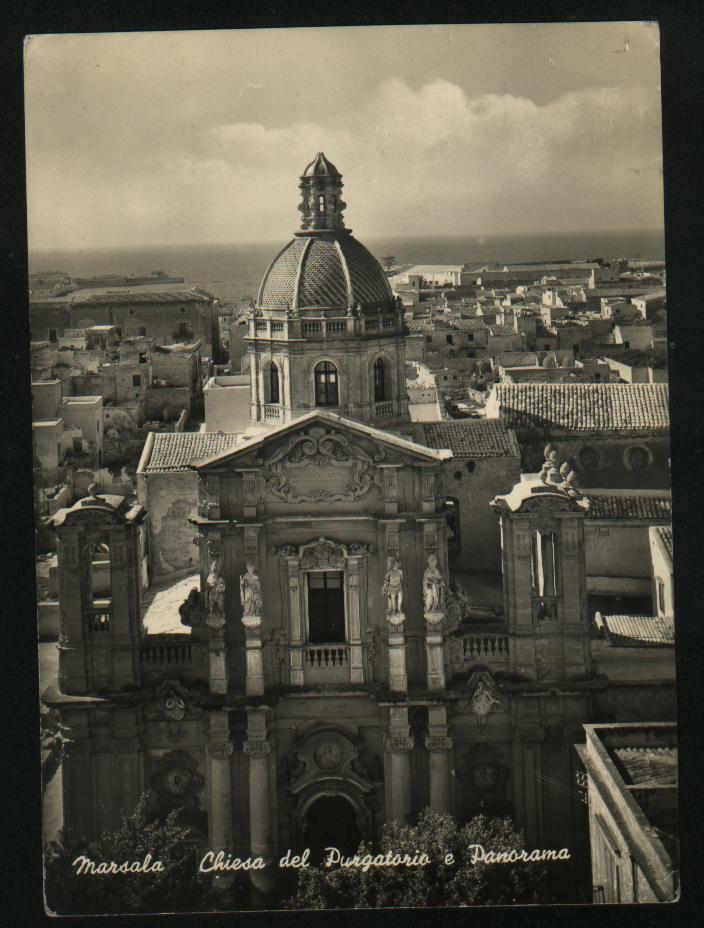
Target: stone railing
{"x": 478, "y": 647}
{"x": 178, "y": 653}
{"x": 312, "y": 328}
{"x": 383, "y": 410}
{"x": 272, "y": 413}
{"x": 326, "y": 663}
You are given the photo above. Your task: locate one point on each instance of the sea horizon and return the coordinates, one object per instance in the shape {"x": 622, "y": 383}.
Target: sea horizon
{"x": 233, "y": 270}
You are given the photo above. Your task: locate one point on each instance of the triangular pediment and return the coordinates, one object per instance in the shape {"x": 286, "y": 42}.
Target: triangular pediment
{"x": 290, "y": 439}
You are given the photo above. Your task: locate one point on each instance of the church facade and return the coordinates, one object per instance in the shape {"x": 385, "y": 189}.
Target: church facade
{"x": 332, "y": 674}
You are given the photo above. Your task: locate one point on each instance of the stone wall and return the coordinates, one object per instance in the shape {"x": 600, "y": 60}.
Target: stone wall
{"x": 473, "y": 483}
{"x": 171, "y": 499}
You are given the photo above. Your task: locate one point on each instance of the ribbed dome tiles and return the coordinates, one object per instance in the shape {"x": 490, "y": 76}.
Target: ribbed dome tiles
{"x": 326, "y": 272}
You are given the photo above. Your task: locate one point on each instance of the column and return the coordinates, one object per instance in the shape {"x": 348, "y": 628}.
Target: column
{"x": 527, "y": 754}
{"x": 399, "y": 744}
{"x": 353, "y": 621}
{"x": 216, "y": 620}
{"x": 434, "y": 587}
{"x": 398, "y": 675}
{"x": 439, "y": 746}
{"x": 73, "y": 599}
{"x": 219, "y": 751}
{"x": 251, "y": 600}
{"x": 77, "y": 787}
{"x": 296, "y": 623}
{"x": 124, "y": 618}
{"x": 130, "y": 776}
{"x": 257, "y": 748}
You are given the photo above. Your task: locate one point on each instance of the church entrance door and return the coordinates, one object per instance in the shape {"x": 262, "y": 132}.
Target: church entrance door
{"x": 331, "y": 821}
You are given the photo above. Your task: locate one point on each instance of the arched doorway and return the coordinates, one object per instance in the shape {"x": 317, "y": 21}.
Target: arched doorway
{"x": 331, "y": 821}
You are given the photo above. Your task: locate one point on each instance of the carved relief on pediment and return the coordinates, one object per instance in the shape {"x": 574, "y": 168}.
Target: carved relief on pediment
{"x": 321, "y": 466}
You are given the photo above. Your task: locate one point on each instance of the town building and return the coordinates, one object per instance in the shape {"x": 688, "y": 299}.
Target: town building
{"x": 169, "y": 316}
{"x": 613, "y": 435}
{"x": 631, "y": 771}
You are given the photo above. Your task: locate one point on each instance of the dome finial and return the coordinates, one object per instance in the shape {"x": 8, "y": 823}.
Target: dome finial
{"x": 321, "y": 197}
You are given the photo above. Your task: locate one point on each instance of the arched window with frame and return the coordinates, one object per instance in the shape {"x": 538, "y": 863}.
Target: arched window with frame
{"x": 380, "y": 381}
{"x": 274, "y": 385}
{"x": 326, "y": 384}
{"x": 321, "y": 203}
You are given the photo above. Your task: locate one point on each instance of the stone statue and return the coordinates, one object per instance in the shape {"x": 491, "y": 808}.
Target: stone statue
{"x": 393, "y": 586}
{"x": 483, "y": 702}
{"x": 192, "y": 611}
{"x": 215, "y": 593}
{"x": 433, "y": 586}
{"x": 250, "y": 591}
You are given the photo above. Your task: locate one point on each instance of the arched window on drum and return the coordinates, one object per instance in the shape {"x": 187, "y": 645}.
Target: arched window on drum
{"x": 326, "y": 384}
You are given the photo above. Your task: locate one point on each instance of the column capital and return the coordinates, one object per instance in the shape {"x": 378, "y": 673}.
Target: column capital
{"x": 257, "y": 749}
{"x": 399, "y": 744}
{"x": 438, "y": 743}
{"x": 126, "y": 745}
{"x": 220, "y": 750}
{"x": 529, "y": 734}
{"x": 76, "y": 748}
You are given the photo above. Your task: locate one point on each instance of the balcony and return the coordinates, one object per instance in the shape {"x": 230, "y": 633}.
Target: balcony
{"x": 477, "y": 647}
{"x": 383, "y": 410}
{"x": 488, "y": 647}
{"x": 326, "y": 663}
{"x": 176, "y": 653}
{"x": 272, "y": 413}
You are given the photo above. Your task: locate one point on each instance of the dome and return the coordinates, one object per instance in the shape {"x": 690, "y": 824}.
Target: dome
{"x": 324, "y": 272}
{"x": 321, "y": 167}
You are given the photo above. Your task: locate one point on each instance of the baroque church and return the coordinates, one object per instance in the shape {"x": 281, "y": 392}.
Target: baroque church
{"x": 333, "y": 674}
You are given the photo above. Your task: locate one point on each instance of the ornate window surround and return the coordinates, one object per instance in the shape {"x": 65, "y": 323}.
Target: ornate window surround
{"x": 322, "y": 554}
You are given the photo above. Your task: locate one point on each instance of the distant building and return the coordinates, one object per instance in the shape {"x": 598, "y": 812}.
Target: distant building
{"x": 614, "y": 435}
{"x": 168, "y": 315}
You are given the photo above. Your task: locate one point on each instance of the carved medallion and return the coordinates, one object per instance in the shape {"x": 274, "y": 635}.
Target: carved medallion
{"x": 321, "y": 465}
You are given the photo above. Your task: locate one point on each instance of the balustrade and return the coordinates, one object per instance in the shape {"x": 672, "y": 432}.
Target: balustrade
{"x": 326, "y": 663}
{"x": 272, "y": 413}
{"x": 383, "y": 410}
{"x": 163, "y": 651}
{"x": 479, "y": 646}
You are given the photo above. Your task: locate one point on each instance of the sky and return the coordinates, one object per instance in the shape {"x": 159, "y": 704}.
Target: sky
{"x": 200, "y": 137}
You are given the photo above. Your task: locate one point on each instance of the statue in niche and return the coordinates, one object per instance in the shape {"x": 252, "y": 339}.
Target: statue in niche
{"x": 433, "y": 586}
{"x": 483, "y": 701}
{"x": 215, "y": 593}
{"x": 251, "y": 591}
{"x": 393, "y": 587}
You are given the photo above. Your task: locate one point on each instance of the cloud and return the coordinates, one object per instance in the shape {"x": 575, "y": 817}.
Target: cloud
{"x": 425, "y": 160}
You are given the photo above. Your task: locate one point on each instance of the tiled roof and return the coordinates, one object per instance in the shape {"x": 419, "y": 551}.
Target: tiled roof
{"x": 477, "y": 439}
{"x": 583, "y": 406}
{"x": 173, "y": 451}
{"x": 501, "y": 330}
{"x": 639, "y": 631}
{"x": 143, "y": 296}
{"x": 648, "y": 766}
{"x": 324, "y": 272}
{"x": 650, "y": 509}
{"x": 470, "y": 325}
{"x": 665, "y": 533}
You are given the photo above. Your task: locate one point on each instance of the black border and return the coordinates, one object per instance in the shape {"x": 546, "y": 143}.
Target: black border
{"x": 682, "y": 80}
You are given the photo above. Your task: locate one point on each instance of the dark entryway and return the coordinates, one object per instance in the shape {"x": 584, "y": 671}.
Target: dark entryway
{"x": 331, "y": 822}
{"x": 326, "y": 607}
